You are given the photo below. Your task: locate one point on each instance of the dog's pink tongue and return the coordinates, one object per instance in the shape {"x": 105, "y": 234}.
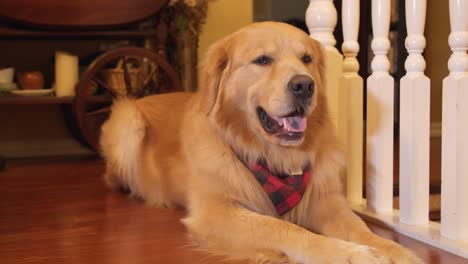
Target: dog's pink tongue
{"x": 293, "y": 123}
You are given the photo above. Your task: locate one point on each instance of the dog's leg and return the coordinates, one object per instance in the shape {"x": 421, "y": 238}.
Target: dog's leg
{"x": 227, "y": 228}
{"x": 331, "y": 216}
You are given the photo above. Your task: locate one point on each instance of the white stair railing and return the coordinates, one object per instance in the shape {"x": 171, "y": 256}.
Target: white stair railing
{"x": 412, "y": 218}
{"x": 415, "y": 93}
{"x": 380, "y": 106}
{"x": 455, "y": 128}
{"x": 351, "y": 87}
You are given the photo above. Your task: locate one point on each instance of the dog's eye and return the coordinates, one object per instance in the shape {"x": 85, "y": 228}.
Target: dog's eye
{"x": 306, "y": 59}
{"x": 263, "y": 60}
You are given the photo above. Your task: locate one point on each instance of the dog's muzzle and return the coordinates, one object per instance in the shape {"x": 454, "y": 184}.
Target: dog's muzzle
{"x": 291, "y": 126}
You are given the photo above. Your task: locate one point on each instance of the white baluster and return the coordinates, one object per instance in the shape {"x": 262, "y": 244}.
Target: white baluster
{"x": 415, "y": 93}
{"x": 380, "y": 95}
{"x": 352, "y": 110}
{"x": 455, "y": 128}
{"x": 321, "y": 18}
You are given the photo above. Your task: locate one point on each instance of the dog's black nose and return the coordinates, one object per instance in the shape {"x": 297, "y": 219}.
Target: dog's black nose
{"x": 302, "y": 86}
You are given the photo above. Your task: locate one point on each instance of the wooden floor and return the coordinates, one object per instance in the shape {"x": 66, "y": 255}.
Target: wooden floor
{"x": 60, "y": 212}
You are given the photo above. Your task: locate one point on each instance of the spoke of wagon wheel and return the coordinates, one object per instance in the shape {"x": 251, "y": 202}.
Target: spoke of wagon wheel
{"x": 128, "y": 83}
{"x": 105, "y": 86}
{"x": 98, "y": 112}
{"x": 149, "y": 78}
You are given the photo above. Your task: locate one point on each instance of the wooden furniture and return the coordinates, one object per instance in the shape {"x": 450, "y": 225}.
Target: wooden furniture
{"x": 137, "y": 20}
{"x": 79, "y": 14}
{"x": 84, "y": 19}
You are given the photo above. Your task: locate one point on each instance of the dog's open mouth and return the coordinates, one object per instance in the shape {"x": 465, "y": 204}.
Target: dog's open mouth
{"x": 289, "y": 127}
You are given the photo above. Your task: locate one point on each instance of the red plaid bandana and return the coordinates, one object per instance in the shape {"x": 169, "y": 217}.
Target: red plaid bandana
{"x": 285, "y": 191}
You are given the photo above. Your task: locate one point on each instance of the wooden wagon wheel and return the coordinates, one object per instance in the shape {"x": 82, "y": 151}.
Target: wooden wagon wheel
{"x": 113, "y": 75}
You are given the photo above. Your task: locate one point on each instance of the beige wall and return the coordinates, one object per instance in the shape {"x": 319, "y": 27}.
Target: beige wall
{"x": 224, "y": 17}
{"x": 437, "y": 52}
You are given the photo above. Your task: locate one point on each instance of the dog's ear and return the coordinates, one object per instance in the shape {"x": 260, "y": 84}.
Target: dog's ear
{"x": 215, "y": 69}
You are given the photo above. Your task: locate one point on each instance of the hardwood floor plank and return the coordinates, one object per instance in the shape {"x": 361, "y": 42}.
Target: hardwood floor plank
{"x": 61, "y": 212}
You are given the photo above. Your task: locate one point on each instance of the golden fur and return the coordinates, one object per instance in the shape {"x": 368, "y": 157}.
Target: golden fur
{"x": 181, "y": 149}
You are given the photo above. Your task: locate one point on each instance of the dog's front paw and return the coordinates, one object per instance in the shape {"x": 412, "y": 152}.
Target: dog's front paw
{"x": 359, "y": 254}
{"x": 398, "y": 254}
{"x": 342, "y": 252}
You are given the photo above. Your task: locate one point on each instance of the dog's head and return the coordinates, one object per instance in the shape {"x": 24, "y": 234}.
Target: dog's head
{"x": 264, "y": 86}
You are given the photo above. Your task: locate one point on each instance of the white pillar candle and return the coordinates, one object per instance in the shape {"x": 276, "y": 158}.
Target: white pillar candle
{"x": 66, "y": 73}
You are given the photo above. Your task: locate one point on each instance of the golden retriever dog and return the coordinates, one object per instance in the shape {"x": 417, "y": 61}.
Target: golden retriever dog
{"x": 251, "y": 155}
